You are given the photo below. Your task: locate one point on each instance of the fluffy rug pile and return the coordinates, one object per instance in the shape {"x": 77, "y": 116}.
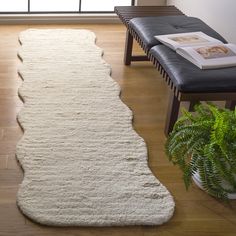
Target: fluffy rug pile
{"x": 84, "y": 165}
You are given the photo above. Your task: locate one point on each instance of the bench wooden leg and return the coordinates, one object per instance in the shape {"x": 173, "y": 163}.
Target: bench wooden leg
{"x": 192, "y": 105}
{"x": 172, "y": 113}
{"x": 128, "y": 48}
{"x": 230, "y": 105}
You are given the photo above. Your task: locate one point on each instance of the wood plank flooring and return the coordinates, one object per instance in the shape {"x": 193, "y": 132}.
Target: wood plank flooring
{"x": 144, "y": 91}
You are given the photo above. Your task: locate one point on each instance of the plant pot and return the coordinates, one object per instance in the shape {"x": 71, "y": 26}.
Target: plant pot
{"x": 198, "y": 182}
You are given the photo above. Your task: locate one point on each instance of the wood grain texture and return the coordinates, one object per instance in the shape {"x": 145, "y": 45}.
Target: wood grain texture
{"x": 145, "y": 92}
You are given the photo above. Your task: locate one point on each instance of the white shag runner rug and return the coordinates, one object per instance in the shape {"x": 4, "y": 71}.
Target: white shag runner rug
{"x": 84, "y": 165}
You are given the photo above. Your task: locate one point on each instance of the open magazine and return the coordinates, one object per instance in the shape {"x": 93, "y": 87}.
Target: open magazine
{"x": 200, "y": 49}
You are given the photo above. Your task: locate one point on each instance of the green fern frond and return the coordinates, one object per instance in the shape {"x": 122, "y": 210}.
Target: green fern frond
{"x": 205, "y": 142}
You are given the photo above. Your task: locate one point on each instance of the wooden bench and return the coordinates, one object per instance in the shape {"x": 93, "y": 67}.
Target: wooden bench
{"x": 159, "y": 54}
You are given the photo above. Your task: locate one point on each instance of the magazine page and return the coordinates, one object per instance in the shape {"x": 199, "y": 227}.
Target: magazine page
{"x": 210, "y": 56}
{"x": 175, "y": 41}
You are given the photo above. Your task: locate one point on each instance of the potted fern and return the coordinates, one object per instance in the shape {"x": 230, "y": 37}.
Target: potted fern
{"x": 203, "y": 145}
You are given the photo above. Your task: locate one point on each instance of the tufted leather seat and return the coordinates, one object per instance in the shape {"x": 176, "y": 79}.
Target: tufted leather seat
{"x": 148, "y": 27}
{"x": 188, "y": 78}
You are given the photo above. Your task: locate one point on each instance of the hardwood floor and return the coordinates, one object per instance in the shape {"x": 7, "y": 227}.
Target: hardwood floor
{"x": 144, "y": 91}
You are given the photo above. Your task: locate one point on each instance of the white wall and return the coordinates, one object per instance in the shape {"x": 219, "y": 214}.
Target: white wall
{"x": 150, "y": 2}
{"x": 219, "y": 14}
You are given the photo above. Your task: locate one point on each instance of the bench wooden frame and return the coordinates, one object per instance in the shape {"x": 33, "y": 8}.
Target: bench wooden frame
{"x": 129, "y": 12}
{"x": 175, "y": 97}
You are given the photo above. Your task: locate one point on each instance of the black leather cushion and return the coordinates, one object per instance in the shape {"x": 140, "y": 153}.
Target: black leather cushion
{"x": 189, "y": 78}
{"x": 148, "y": 27}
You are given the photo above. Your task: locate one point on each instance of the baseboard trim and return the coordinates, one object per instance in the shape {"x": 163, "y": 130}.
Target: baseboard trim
{"x": 58, "y": 19}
